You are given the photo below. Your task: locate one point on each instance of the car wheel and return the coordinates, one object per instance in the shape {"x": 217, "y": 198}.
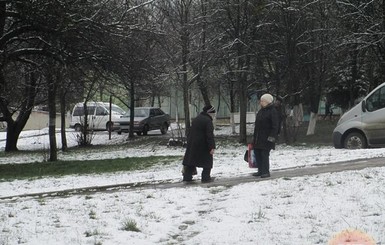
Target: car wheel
{"x": 355, "y": 140}
{"x": 109, "y": 126}
{"x": 119, "y": 132}
{"x": 145, "y": 129}
{"x": 164, "y": 128}
{"x": 78, "y": 128}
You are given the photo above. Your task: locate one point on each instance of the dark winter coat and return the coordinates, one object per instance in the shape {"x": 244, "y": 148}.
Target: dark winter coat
{"x": 266, "y": 128}
{"x": 200, "y": 141}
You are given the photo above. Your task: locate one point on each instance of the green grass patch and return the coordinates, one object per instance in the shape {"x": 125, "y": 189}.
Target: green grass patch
{"x": 321, "y": 137}
{"x": 62, "y": 168}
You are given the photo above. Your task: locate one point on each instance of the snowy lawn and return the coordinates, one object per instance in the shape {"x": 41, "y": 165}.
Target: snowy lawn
{"x": 302, "y": 210}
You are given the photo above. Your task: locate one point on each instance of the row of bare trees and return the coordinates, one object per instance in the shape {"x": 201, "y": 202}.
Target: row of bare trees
{"x": 54, "y": 52}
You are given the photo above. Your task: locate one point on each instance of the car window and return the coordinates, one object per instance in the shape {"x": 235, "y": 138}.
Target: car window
{"x": 90, "y": 110}
{"x": 376, "y": 101}
{"x": 159, "y": 112}
{"x": 152, "y": 112}
{"x": 141, "y": 113}
{"x": 79, "y": 110}
{"x": 101, "y": 111}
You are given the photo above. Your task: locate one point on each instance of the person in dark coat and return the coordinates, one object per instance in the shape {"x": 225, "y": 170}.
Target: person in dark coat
{"x": 281, "y": 115}
{"x": 265, "y": 134}
{"x": 200, "y": 146}
{"x": 328, "y": 110}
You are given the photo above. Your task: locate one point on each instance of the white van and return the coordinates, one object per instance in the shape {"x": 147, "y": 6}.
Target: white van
{"x": 363, "y": 125}
{"x": 98, "y": 115}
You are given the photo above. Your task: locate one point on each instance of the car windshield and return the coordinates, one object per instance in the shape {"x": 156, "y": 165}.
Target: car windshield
{"x": 117, "y": 109}
{"x": 138, "y": 113}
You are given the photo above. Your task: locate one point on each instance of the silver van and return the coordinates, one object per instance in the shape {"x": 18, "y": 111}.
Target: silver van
{"x": 364, "y": 125}
{"x": 98, "y": 115}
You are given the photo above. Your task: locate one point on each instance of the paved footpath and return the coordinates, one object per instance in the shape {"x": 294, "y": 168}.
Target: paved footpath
{"x": 229, "y": 181}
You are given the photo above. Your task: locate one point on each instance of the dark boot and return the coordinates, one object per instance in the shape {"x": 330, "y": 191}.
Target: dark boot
{"x": 257, "y": 174}
{"x": 187, "y": 178}
{"x": 188, "y": 172}
{"x": 266, "y": 175}
{"x": 209, "y": 180}
{"x": 206, "y": 175}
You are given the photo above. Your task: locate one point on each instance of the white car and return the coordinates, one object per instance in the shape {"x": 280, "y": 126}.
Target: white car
{"x": 98, "y": 115}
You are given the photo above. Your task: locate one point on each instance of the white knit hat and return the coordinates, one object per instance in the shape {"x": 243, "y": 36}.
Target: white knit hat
{"x": 268, "y": 98}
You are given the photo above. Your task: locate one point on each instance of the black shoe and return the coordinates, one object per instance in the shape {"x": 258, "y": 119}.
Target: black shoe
{"x": 257, "y": 174}
{"x": 187, "y": 179}
{"x": 267, "y": 175}
{"x": 208, "y": 180}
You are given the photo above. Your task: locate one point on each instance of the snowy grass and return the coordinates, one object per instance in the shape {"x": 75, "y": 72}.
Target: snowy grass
{"x": 296, "y": 210}
{"x": 73, "y": 167}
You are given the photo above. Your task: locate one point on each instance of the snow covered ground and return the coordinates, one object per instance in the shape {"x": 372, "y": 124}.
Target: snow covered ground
{"x": 302, "y": 210}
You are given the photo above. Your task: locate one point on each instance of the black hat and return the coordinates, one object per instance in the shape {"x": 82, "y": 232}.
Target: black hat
{"x": 209, "y": 109}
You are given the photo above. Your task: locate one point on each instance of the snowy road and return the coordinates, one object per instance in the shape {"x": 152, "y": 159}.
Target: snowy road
{"x": 228, "y": 181}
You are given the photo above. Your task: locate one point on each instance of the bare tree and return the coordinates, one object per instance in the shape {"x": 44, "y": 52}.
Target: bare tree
{"x": 319, "y": 37}
{"x": 19, "y": 44}
{"x": 239, "y": 24}
{"x": 176, "y": 22}
{"x": 52, "y": 79}
{"x": 360, "y": 51}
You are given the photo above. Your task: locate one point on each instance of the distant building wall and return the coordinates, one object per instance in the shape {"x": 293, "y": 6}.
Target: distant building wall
{"x": 250, "y": 117}
{"x": 40, "y": 119}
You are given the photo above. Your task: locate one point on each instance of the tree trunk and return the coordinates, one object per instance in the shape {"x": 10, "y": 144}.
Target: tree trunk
{"x": 382, "y": 44}
{"x": 242, "y": 80}
{"x": 293, "y": 121}
{"x": 201, "y": 83}
{"x": 314, "y": 103}
{"x": 14, "y": 127}
{"x": 186, "y": 108}
{"x": 312, "y": 123}
{"x": 63, "y": 118}
{"x": 284, "y": 128}
{"x": 185, "y": 84}
{"x": 132, "y": 109}
{"x": 3, "y": 16}
{"x": 232, "y": 106}
{"x": 52, "y": 117}
{"x": 13, "y": 132}
{"x": 85, "y": 127}
{"x": 203, "y": 88}
{"x": 383, "y": 30}
{"x": 354, "y": 70}
{"x": 242, "y": 111}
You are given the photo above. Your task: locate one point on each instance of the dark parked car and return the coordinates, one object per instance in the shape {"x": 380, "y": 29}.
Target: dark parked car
{"x": 145, "y": 119}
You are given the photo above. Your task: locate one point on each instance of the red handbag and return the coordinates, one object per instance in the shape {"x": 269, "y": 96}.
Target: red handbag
{"x": 251, "y": 159}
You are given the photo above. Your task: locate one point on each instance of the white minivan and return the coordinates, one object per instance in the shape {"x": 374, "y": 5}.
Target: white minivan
{"x": 363, "y": 125}
{"x": 98, "y": 115}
